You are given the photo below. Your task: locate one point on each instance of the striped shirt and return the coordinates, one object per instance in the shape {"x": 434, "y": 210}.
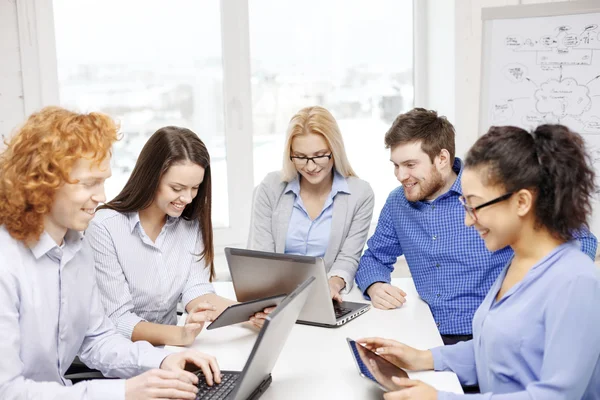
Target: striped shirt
{"x": 450, "y": 265}
{"x": 141, "y": 280}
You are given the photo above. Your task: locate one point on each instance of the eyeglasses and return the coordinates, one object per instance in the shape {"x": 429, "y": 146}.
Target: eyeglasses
{"x": 471, "y": 210}
{"x": 321, "y": 161}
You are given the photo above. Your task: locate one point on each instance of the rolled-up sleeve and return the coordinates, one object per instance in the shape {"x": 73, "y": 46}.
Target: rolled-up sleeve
{"x": 112, "y": 284}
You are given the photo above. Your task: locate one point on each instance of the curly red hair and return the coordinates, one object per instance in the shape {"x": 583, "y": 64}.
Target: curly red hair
{"x": 39, "y": 159}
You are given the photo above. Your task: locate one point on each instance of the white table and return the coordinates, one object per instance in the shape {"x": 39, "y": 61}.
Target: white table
{"x": 316, "y": 362}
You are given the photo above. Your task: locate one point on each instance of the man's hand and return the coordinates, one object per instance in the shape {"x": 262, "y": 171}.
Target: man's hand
{"x": 160, "y": 384}
{"x": 385, "y": 296}
{"x": 177, "y": 362}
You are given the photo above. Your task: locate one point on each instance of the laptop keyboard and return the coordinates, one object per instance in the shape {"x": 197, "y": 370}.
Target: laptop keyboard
{"x": 339, "y": 310}
{"x": 216, "y": 391}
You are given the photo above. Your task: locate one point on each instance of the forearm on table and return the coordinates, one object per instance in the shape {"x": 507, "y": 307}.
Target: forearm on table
{"x": 157, "y": 334}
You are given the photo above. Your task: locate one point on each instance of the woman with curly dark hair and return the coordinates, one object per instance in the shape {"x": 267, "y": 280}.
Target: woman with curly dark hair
{"x": 536, "y": 334}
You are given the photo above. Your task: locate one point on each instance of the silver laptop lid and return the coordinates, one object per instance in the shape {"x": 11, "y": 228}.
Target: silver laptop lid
{"x": 258, "y": 274}
{"x": 271, "y": 339}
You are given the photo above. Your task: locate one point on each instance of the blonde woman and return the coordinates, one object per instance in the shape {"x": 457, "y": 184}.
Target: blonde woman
{"x": 316, "y": 205}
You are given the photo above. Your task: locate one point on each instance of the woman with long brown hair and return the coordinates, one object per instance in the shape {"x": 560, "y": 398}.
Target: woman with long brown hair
{"x": 153, "y": 243}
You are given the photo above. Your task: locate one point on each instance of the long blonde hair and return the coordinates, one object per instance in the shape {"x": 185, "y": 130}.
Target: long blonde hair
{"x": 316, "y": 120}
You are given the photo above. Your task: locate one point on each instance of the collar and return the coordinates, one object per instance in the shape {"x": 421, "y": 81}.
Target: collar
{"x": 72, "y": 240}
{"x": 340, "y": 184}
{"x": 134, "y": 220}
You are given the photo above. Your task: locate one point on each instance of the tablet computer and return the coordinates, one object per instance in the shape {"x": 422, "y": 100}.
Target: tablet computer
{"x": 241, "y": 312}
{"x": 375, "y": 368}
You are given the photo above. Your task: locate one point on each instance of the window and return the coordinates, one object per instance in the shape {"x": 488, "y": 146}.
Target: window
{"x": 148, "y": 64}
{"x": 352, "y": 59}
{"x": 234, "y": 72}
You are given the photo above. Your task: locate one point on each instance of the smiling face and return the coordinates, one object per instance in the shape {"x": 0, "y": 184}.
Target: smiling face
{"x": 178, "y": 187}
{"x": 500, "y": 224}
{"x": 75, "y": 203}
{"x": 413, "y": 168}
{"x": 312, "y": 145}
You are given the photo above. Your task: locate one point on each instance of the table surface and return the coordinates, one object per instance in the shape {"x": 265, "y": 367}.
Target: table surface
{"x": 316, "y": 362}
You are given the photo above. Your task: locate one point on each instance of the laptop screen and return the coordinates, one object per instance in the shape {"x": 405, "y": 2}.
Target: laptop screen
{"x": 376, "y": 368}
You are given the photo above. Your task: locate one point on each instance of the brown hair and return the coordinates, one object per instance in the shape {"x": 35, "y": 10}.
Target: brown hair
{"x": 166, "y": 147}
{"x": 420, "y": 125}
{"x": 550, "y": 160}
{"x": 38, "y": 160}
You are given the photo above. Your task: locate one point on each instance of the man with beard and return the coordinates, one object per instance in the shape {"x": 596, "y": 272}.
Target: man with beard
{"x": 423, "y": 220}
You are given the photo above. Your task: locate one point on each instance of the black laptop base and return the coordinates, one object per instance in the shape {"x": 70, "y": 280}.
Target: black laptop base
{"x": 226, "y": 389}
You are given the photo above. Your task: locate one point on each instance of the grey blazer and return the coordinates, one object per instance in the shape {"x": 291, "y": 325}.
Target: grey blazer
{"x": 351, "y": 219}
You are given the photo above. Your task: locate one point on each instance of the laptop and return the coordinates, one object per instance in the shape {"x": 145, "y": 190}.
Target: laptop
{"x": 375, "y": 368}
{"x": 255, "y": 378}
{"x": 258, "y": 274}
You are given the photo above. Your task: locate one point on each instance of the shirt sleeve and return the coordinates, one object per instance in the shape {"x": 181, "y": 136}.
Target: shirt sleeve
{"x": 458, "y": 358}
{"x": 346, "y": 261}
{"x": 571, "y": 346}
{"x": 115, "y": 293}
{"x": 15, "y": 386}
{"x": 115, "y": 356}
{"x": 198, "y": 282}
{"x": 588, "y": 242}
{"x": 377, "y": 263}
{"x": 260, "y": 236}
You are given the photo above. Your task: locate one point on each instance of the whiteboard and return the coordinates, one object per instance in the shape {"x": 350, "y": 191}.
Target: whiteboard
{"x": 541, "y": 64}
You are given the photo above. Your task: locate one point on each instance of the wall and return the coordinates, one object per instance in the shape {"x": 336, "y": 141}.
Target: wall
{"x": 12, "y": 110}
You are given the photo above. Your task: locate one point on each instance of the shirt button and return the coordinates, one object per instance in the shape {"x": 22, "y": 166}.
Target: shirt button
{"x": 434, "y": 237}
{"x": 432, "y": 207}
{"x": 438, "y": 295}
{"x": 437, "y": 265}
{"x": 438, "y": 324}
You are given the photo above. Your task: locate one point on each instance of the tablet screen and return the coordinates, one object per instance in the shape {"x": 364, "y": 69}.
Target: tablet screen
{"x": 376, "y": 368}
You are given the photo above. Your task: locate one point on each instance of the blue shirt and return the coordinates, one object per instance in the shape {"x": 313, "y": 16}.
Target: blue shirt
{"x": 540, "y": 341}
{"x": 142, "y": 280}
{"x": 50, "y": 311}
{"x": 450, "y": 265}
{"x": 308, "y": 237}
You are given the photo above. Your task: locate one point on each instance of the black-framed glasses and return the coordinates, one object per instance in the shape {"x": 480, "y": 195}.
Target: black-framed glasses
{"x": 321, "y": 161}
{"x": 471, "y": 210}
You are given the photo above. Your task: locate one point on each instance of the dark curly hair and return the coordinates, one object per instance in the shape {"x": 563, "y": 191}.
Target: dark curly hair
{"x": 550, "y": 160}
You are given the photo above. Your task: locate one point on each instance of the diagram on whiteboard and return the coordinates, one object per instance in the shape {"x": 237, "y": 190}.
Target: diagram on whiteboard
{"x": 546, "y": 70}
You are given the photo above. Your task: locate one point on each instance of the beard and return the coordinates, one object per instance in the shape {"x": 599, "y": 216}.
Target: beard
{"x": 427, "y": 186}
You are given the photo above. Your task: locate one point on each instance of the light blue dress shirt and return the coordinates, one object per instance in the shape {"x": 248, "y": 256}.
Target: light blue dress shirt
{"x": 141, "y": 280}
{"x": 540, "y": 341}
{"x": 307, "y": 237}
{"x": 49, "y": 313}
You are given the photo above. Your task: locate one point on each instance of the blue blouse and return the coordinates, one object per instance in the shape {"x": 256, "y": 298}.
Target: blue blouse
{"x": 308, "y": 237}
{"x": 540, "y": 341}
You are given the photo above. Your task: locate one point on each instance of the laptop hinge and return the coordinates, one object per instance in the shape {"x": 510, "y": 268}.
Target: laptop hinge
{"x": 264, "y": 385}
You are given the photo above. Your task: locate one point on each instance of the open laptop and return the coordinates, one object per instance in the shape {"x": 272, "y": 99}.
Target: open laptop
{"x": 255, "y": 378}
{"x": 258, "y": 274}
